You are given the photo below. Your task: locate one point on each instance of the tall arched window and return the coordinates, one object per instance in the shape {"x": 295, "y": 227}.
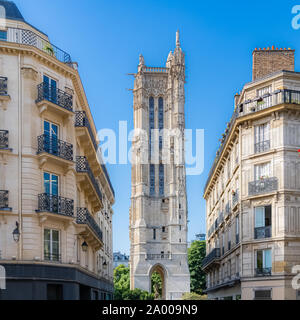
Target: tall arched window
{"x": 151, "y": 121}
{"x": 152, "y": 179}
{"x": 160, "y": 118}
{"x": 161, "y": 180}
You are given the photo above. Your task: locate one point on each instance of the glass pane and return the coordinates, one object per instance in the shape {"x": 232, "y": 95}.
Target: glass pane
{"x": 46, "y": 80}
{"x": 55, "y": 235}
{"x": 259, "y": 217}
{"x": 259, "y": 262}
{"x": 47, "y": 182}
{"x": 54, "y": 130}
{"x": 268, "y": 259}
{"x": 47, "y": 234}
{"x": 54, "y": 185}
{"x": 46, "y": 127}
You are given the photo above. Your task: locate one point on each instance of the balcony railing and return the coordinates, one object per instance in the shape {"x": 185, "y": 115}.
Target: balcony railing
{"x": 161, "y": 256}
{"x": 3, "y": 86}
{"x": 3, "y": 139}
{"x": 263, "y": 232}
{"x": 54, "y": 146}
{"x": 84, "y": 217}
{"x": 55, "y": 204}
{"x": 28, "y": 37}
{"x": 81, "y": 120}
{"x": 82, "y": 166}
{"x": 263, "y": 271}
{"x": 55, "y": 95}
{"x": 3, "y": 199}
{"x": 155, "y": 69}
{"x": 263, "y": 186}
{"x": 269, "y": 100}
{"x": 235, "y": 198}
{"x": 211, "y": 257}
{"x": 52, "y": 256}
{"x": 262, "y": 146}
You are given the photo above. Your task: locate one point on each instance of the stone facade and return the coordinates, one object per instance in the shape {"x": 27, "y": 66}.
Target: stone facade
{"x": 252, "y": 194}
{"x": 158, "y": 212}
{"x": 54, "y": 190}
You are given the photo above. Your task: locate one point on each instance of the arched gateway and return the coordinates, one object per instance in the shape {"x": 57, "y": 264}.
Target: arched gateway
{"x": 158, "y": 212}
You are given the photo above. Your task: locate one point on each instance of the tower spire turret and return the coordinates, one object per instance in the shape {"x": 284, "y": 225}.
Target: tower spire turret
{"x": 177, "y": 39}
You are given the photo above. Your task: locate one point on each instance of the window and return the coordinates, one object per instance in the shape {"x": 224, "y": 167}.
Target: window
{"x": 154, "y": 234}
{"x": 161, "y": 180}
{"x": 262, "y": 138}
{"x": 266, "y": 98}
{"x": 237, "y": 230}
{"x": 160, "y": 119}
{"x": 151, "y": 122}
{"x": 263, "y": 262}
{"x": 51, "y": 184}
{"x": 50, "y": 89}
{"x": 263, "y": 219}
{"x": 51, "y": 132}
{"x": 3, "y": 36}
{"x": 51, "y": 245}
{"x": 152, "y": 179}
{"x": 54, "y": 292}
{"x": 163, "y": 229}
{"x": 262, "y": 171}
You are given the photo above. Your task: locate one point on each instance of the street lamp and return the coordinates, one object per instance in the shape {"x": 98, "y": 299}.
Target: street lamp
{"x": 16, "y": 233}
{"x": 84, "y": 246}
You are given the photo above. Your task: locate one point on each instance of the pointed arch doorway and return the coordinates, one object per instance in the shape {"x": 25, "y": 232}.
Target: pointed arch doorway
{"x": 157, "y": 278}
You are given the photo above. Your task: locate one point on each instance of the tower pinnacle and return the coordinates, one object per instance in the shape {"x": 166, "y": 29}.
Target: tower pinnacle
{"x": 177, "y": 39}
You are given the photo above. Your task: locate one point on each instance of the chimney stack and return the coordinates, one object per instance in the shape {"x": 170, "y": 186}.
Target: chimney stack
{"x": 269, "y": 60}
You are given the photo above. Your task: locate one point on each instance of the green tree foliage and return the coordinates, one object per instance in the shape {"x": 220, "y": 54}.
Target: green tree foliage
{"x": 193, "y": 296}
{"x": 196, "y": 254}
{"x": 156, "y": 283}
{"x": 122, "y": 286}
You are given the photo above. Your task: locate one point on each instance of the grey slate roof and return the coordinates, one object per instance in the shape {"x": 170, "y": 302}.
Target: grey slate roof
{"x": 11, "y": 10}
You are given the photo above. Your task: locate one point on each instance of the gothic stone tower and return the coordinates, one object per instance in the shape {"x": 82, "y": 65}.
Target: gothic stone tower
{"x": 158, "y": 213}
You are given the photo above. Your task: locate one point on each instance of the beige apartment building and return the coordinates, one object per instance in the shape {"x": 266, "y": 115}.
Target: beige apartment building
{"x": 55, "y": 194}
{"x": 253, "y": 190}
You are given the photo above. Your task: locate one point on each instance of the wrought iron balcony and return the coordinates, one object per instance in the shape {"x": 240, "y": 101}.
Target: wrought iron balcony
{"x": 263, "y": 232}
{"x": 263, "y": 271}
{"x": 84, "y": 217}
{"x": 82, "y": 166}
{"x": 55, "y": 95}
{"x": 212, "y": 257}
{"x": 82, "y": 121}
{"x": 263, "y": 186}
{"x": 3, "y": 139}
{"x": 55, "y": 204}
{"x": 52, "y": 257}
{"x": 262, "y": 146}
{"x": 3, "y": 199}
{"x": 30, "y": 38}
{"x": 3, "y": 86}
{"x": 161, "y": 256}
{"x": 55, "y": 147}
{"x": 235, "y": 198}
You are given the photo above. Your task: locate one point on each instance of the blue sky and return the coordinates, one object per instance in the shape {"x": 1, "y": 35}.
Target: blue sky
{"x": 218, "y": 37}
